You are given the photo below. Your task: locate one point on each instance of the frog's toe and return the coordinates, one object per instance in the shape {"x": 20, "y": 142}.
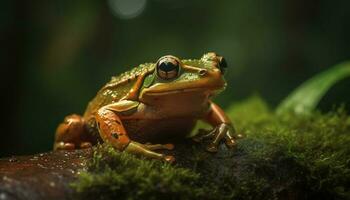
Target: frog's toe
{"x": 204, "y": 134}
{"x": 230, "y": 143}
{"x": 85, "y": 145}
{"x": 64, "y": 146}
{"x": 169, "y": 146}
{"x": 212, "y": 148}
{"x": 229, "y": 139}
{"x": 169, "y": 159}
{"x": 159, "y": 146}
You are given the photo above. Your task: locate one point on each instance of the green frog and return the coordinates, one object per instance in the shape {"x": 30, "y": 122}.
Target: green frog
{"x": 151, "y": 106}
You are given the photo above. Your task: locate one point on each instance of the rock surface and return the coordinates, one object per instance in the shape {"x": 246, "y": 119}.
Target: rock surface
{"x": 41, "y": 176}
{"x": 48, "y": 175}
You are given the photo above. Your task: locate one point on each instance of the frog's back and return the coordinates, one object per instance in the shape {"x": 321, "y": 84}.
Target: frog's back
{"x": 116, "y": 88}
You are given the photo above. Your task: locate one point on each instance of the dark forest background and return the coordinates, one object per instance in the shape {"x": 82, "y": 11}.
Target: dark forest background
{"x": 57, "y": 54}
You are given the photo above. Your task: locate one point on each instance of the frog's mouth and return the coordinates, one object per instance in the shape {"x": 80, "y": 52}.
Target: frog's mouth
{"x": 210, "y": 85}
{"x": 182, "y": 90}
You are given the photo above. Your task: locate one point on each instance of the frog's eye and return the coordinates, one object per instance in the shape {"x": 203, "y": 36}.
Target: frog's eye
{"x": 168, "y": 67}
{"x": 222, "y": 64}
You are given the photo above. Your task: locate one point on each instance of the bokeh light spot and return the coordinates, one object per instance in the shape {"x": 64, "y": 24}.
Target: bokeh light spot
{"x": 127, "y": 9}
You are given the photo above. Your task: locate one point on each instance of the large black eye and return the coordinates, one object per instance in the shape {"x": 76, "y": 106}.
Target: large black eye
{"x": 222, "y": 64}
{"x": 168, "y": 67}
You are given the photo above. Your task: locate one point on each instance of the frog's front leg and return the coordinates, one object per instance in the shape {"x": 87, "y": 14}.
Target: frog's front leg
{"x": 223, "y": 129}
{"x": 112, "y": 131}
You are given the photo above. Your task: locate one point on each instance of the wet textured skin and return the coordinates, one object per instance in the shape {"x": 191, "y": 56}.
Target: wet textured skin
{"x": 154, "y": 102}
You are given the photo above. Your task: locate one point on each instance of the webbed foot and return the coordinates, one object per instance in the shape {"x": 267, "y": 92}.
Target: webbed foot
{"x": 221, "y": 132}
{"x": 71, "y": 134}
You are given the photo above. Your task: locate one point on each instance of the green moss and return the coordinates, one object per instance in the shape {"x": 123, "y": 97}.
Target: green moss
{"x": 307, "y": 155}
{"x": 115, "y": 175}
{"x": 280, "y": 157}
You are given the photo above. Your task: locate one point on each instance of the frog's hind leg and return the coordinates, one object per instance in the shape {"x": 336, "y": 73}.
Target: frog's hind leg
{"x": 112, "y": 131}
{"x": 72, "y": 134}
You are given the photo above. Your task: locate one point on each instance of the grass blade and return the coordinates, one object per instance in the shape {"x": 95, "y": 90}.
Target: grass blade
{"x": 306, "y": 97}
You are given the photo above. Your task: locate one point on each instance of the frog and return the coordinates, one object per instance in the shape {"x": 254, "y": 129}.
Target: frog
{"x": 146, "y": 109}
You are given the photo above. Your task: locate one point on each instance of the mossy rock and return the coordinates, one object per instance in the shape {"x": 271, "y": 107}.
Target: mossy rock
{"x": 280, "y": 157}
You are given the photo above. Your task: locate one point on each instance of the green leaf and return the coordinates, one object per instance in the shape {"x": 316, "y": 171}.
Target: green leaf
{"x": 305, "y": 98}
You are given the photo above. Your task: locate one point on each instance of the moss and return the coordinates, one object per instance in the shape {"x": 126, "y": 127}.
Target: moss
{"x": 115, "y": 175}
{"x": 280, "y": 157}
{"x": 307, "y": 156}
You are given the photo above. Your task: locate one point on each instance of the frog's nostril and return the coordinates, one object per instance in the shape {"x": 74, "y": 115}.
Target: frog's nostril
{"x": 202, "y": 72}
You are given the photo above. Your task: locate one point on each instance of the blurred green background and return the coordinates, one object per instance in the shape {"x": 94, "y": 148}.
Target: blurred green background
{"x": 57, "y": 54}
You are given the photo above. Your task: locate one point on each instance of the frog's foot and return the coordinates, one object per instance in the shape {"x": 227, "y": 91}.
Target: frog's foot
{"x": 71, "y": 134}
{"x": 221, "y": 132}
{"x": 71, "y": 146}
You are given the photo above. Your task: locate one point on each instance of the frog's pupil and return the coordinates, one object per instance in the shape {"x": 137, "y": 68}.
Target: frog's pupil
{"x": 167, "y": 66}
